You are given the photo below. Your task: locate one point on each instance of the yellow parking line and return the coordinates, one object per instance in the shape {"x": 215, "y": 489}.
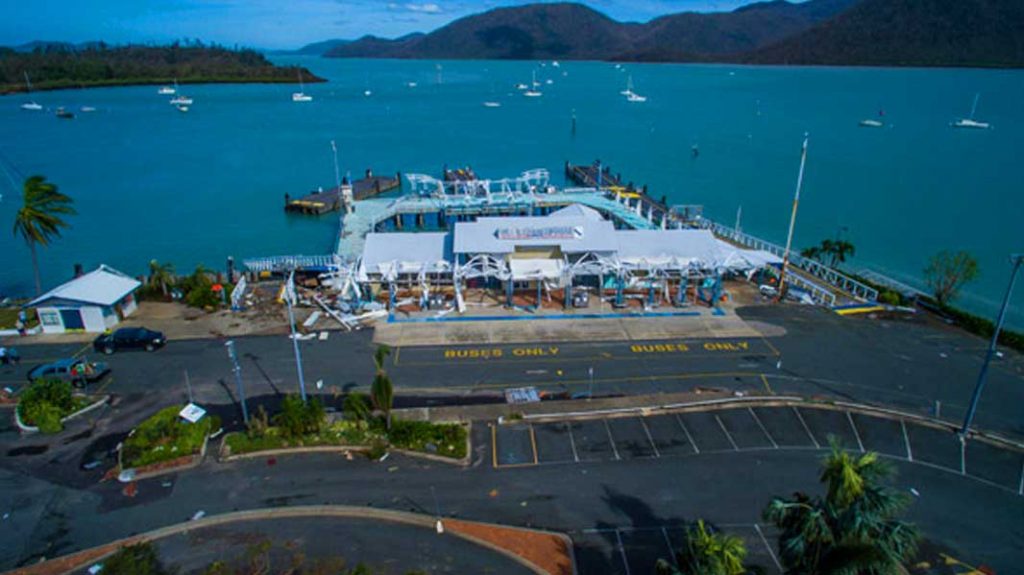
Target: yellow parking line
{"x": 770, "y": 346}
{"x": 398, "y": 352}
{"x": 533, "y": 443}
{"x": 82, "y": 350}
{"x": 766, "y": 386}
{"x": 494, "y": 445}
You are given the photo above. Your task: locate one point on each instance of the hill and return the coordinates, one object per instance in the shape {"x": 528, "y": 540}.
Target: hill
{"x": 576, "y": 32}
{"x": 316, "y": 48}
{"x": 54, "y": 67}
{"x": 910, "y": 33}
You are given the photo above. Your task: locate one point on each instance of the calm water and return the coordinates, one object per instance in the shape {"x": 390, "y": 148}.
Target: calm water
{"x": 150, "y": 182}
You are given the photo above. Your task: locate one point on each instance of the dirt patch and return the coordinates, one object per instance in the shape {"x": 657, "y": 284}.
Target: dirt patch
{"x": 548, "y": 551}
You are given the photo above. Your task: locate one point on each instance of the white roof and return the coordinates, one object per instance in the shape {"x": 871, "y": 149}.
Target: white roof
{"x": 678, "y": 248}
{"x": 573, "y": 234}
{"x": 535, "y": 268}
{"x": 102, "y": 286}
{"x": 406, "y": 252}
{"x": 577, "y": 210}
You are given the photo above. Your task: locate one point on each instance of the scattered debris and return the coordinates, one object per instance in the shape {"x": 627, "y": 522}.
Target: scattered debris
{"x": 92, "y": 465}
{"x": 493, "y": 493}
{"x": 167, "y": 484}
{"x": 383, "y": 457}
{"x": 126, "y": 476}
{"x": 130, "y": 490}
{"x": 312, "y": 319}
{"x": 323, "y": 335}
{"x": 198, "y": 515}
{"x": 915, "y": 492}
{"x": 392, "y": 469}
{"x": 95, "y": 568}
{"x": 272, "y": 461}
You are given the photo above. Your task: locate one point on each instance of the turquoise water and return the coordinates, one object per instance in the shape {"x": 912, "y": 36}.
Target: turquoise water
{"x": 150, "y": 182}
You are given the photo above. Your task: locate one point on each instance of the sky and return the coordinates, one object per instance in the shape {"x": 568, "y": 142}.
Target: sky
{"x": 275, "y": 24}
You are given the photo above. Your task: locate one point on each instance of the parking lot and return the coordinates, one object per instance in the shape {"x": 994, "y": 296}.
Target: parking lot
{"x": 630, "y": 550}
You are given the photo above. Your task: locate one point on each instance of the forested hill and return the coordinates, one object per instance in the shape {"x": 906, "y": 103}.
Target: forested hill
{"x": 55, "y": 67}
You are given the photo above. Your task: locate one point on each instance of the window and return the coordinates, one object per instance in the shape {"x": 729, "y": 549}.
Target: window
{"x": 50, "y": 318}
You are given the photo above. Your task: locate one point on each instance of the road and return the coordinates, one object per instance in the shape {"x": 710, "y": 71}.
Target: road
{"x": 613, "y": 504}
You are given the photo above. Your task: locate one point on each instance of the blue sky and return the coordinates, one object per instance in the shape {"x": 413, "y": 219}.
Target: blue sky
{"x": 270, "y": 23}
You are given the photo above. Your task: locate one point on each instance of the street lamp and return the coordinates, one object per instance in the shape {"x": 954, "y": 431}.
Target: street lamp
{"x": 288, "y": 296}
{"x": 1016, "y": 260}
{"x": 792, "y": 219}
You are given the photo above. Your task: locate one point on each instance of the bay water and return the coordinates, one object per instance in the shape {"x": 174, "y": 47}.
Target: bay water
{"x": 189, "y": 188}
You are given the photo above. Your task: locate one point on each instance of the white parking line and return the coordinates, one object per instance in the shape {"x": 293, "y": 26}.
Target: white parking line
{"x": 807, "y": 429}
{"x": 572, "y": 442}
{"x": 761, "y": 425}
{"x": 622, "y": 549}
{"x": 612, "y": 440}
{"x": 688, "y": 436}
{"x": 855, "y": 432}
{"x": 767, "y": 546}
{"x": 906, "y": 440}
{"x": 963, "y": 455}
{"x": 649, "y": 438}
{"x": 668, "y": 543}
{"x": 726, "y": 432}
{"x": 1020, "y": 488}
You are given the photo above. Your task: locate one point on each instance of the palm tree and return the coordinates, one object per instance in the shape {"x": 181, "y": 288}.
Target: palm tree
{"x": 853, "y": 529}
{"x": 161, "y": 275}
{"x": 382, "y": 393}
{"x": 707, "y": 552}
{"x": 38, "y": 220}
{"x": 841, "y": 249}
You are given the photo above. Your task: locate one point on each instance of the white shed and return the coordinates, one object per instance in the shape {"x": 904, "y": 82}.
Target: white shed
{"x": 93, "y": 302}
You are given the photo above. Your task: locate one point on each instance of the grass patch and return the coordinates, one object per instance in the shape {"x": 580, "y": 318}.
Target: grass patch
{"x": 445, "y": 439}
{"x": 165, "y": 436}
{"x": 9, "y": 317}
{"x": 46, "y": 402}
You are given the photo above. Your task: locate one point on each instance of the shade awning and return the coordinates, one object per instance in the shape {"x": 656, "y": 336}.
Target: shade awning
{"x": 532, "y": 269}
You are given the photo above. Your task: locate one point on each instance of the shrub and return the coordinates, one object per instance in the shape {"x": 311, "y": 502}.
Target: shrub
{"x": 889, "y": 297}
{"x": 298, "y": 418}
{"x": 46, "y": 402}
{"x": 448, "y": 439}
{"x": 165, "y": 436}
{"x": 138, "y": 559}
{"x": 356, "y": 407}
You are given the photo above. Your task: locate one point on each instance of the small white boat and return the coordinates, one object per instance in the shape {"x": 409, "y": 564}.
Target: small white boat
{"x": 367, "y": 93}
{"x": 871, "y": 124}
{"x": 492, "y": 104}
{"x": 549, "y": 81}
{"x": 87, "y": 109}
{"x": 969, "y": 122}
{"x": 521, "y": 87}
{"x": 301, "y": 95}
{"x": 166, "y": 91}
{"x": 630, "y": 95}
{"x": 636, "y": 98}
{"x": 181, "y": 100}
{"x": 533, "y": 92}
{"x": 555, "y": 63}
{"x": 31, "y": 105}
{"x": 64, "y": 114}
{"x": 411, "y": 84}
{"x": 182, "y": 108}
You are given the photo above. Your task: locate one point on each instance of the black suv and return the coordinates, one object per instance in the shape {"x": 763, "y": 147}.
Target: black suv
{"x": 129, "y": 338}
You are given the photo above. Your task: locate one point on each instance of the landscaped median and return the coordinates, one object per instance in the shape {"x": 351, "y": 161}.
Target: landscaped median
{"x": 47, "y": 404}
{"x": 305, "y": 427}
{"x": 165, "y": 441}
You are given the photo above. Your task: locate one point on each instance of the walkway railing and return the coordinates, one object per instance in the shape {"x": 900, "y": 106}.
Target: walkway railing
{"x": 288, "y": 263}
{"x": 834, "y": 278}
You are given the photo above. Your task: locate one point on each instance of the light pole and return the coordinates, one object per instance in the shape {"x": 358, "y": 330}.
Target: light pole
{"x": 237, "y": 369}
{"x": 289, "y": 294}
{"x": 590, "y": 392}
{"x": 1016, "y": 260}
{"x": 792, "y": 218}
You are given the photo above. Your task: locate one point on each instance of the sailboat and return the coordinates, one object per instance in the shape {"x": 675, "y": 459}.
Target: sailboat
{"x": 31, "y": 104}
{"x": 64, "y": 114}
{"x": 533, "y": 92}
{"x": 632, "y": 96}
{"x": 301, "y": 95}
{"x": 167, "y": 90}
{"x": 970, "y": 122}
{"x": 629, "y": 86}
{"x": 870, "y": 123}
{"x": 180, "y": 99}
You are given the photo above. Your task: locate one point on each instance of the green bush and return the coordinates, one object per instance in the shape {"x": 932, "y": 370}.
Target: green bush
{"x": 45, "y": 402}
{"x": 138, "y": 559}
{"x": 298, "y": 418}
{"x": 165, "y": 436}
{"x": 889, "y": 297}
{"x": 356, "y": 407}
{"x": 448, "y": 439}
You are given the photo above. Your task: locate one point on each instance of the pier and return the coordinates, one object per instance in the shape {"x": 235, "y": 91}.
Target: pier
{"x": 593, "y": 176}
{"x": 324, "y": 201}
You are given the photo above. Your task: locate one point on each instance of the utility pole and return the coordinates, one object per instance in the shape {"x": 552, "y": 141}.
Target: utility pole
{"x": 792, "y": 218}
{"x": 237, "y": 369}
{"x": 739, "y": 216}
{"x": 1016, "y": 260}
{"x": 289, "y": 295}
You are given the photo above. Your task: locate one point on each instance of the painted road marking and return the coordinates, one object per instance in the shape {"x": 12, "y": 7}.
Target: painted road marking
{"x": 1020, "y": 487}
{"x": 963, "y": 455}
{"x": 764, "y": 380}
{"x": 770, "y": 346}
{"x": 761, "y": 425}
{"x": 771, "y": 551}
{"x": 622, "y": 551}
{"x": 660, "y": 348}
{"x": 906, "y": 440}
{"x": 533, "y": 443}
{"x": 572, "y": 442}
{"x": 807, "y": 429}
{"x": 586, "y": 381}
{"x": 726, "y": 432}
{"x": 82, "y": 350}
{"x": 611, "y": 439}
{"x": 855, "y": 432}
{"x": 687, "y": 432}
{"x": 713, "y": 348}
{"x": 649, "y": 438}
{"x": 494, "y": 446}
{"x": 668, "y": 542}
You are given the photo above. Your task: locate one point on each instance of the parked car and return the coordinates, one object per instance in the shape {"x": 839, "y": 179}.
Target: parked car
{"x": 129, "y": 338}
{"x": 74, "y": 370}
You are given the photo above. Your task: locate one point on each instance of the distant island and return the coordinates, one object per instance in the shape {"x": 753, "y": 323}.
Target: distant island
{"x": 54, "y": 66}
{"x": 974, "y": 33}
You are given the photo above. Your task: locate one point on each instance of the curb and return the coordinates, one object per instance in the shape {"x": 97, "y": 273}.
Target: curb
{"x": 196, "y": 459}
{"x": 81, "y": 559}
{"x": 26, "y": 428}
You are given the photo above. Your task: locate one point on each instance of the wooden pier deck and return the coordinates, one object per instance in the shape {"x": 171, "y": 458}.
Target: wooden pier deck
{"x": 322, "y": 202}
{"x": 586, "y": 176}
